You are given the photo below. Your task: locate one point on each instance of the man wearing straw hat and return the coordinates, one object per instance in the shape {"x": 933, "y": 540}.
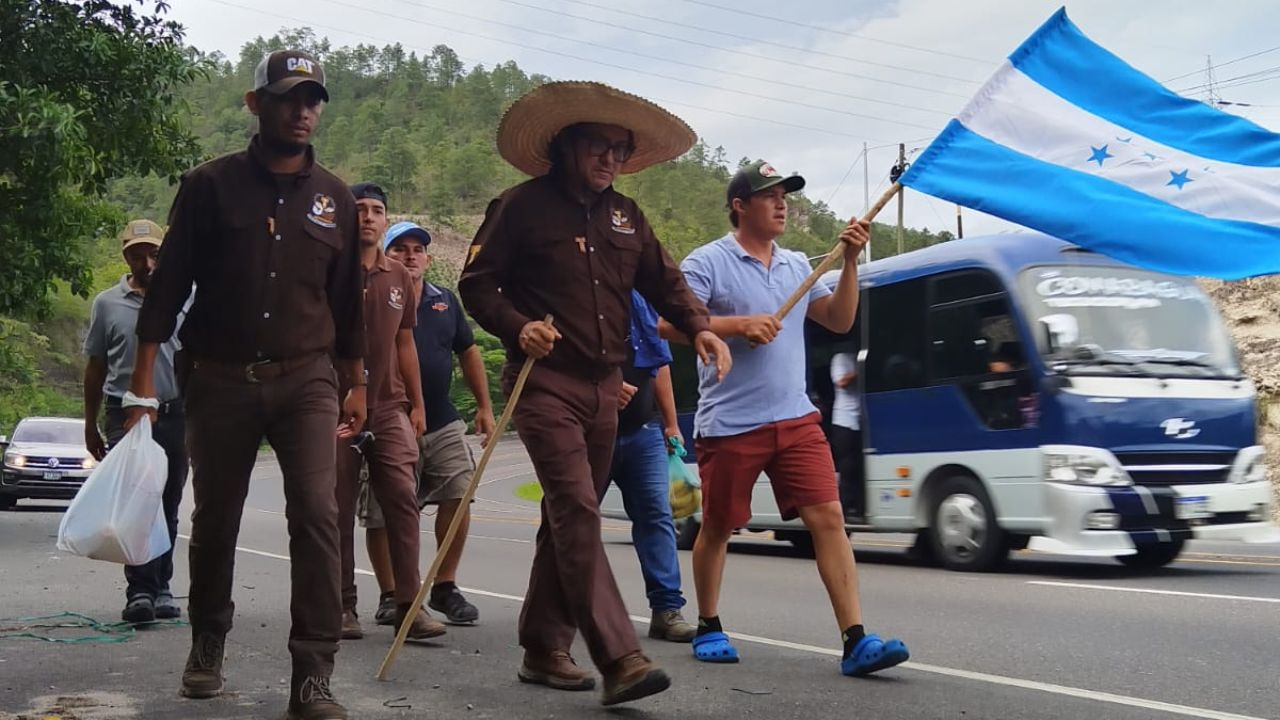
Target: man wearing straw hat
{"x": 761, "y": 419}
{"x": 566, "y": 244}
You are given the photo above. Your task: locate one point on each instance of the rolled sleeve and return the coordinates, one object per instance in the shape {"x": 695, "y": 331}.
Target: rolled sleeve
{"x": 488, "y": 267}
{"x": 171, "y": 281}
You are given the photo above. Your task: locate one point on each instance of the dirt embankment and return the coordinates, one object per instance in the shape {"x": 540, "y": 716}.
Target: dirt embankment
{"x": 1252, "y": 311}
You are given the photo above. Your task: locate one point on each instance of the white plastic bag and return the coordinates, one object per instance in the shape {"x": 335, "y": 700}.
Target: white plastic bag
{"x": 118, "y": 515}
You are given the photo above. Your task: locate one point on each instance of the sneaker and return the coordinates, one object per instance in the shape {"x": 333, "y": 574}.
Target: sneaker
{"x": 555, "y": 669}
{"x": 386, "y": 614}
{"x": 631, "y": 678}
{"x": 422, "y": 627}
{"x": 311, "y": 699}
{"x": 167, "y": 608}
{"x": 202, "y": 678}
{"x": 456, "y": 609}
{"x": 351, "y": 629}
{"x": 140, "y": 609}
{"x": 670, "y": 625}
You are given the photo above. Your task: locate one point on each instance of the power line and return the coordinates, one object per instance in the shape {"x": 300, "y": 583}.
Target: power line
{"x": 672, "y": 78}
{"x": 765, "y": 41}
{"x": 612, "y": 48}
{"x": 718, "y": 111}
{"x": 1219, "y": 65}
{"x": 819, "y": 28}
{"x": 1224, "y": 83}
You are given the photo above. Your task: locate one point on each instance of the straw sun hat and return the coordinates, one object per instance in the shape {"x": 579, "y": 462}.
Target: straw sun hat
{"x": 529, "y": 125}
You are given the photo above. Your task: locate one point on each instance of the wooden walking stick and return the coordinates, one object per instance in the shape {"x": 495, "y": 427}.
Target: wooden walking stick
{"x": 832, "y": 257}
{"x": 457, "y": 517}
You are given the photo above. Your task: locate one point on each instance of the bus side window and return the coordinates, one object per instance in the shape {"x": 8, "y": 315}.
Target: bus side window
{"x": 896, "y": 343}
{"x": 974, "y": 344}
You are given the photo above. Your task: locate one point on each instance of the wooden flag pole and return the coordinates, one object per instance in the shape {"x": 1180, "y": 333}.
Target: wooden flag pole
{"x": 834, "y": 256}
{"x": 443, "y": 550}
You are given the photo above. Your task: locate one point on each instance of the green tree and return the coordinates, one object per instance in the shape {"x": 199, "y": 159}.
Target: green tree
{"x": 89, "y": 92}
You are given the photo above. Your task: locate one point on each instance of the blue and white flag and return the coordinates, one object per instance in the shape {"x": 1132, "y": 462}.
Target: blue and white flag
{"x": 1070, "y": 140}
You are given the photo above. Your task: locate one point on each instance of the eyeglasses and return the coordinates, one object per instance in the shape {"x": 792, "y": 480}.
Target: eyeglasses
{"x": 620, "y": 151}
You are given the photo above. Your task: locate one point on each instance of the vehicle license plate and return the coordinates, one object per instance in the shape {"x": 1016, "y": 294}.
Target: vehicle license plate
{"x": 53, "y": 475}
{"x": 1190, "y": 508}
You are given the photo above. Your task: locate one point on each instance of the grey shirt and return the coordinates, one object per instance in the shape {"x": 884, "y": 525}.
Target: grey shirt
{"x": 112, "y": 323}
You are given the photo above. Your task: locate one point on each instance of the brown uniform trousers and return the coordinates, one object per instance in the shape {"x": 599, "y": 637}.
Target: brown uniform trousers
{"x": 392, "y": 458}
{"x": 568, "y": 425}
{"x": 227, "y": 417}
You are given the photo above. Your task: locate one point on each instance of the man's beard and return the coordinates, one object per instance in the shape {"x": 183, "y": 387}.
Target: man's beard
{"x": 142, "y": 279}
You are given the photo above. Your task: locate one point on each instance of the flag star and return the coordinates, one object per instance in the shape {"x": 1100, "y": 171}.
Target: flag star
{"x": 1099, "y": 155}
{"x": 1178, "y": 178}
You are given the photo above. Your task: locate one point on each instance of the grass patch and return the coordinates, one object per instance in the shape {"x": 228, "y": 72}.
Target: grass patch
{"x": 530, "y": 491}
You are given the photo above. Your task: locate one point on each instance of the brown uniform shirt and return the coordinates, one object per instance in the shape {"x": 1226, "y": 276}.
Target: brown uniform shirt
{"x": 275, "y": 261}
{"x": 540, "y": 251}
{"x": 388, "y": 308}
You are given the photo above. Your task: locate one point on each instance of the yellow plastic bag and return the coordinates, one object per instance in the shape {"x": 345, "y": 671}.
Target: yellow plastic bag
{"x": 686, "y": 490}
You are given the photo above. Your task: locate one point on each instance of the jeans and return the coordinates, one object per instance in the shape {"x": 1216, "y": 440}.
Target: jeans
{"x": 640, "y": 472}
{"x": 152, "y": 579}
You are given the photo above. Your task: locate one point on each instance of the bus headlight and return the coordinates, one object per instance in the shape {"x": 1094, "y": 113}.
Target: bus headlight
{"x": 1080, "y": 465}
{"x": 1250, "y": 465}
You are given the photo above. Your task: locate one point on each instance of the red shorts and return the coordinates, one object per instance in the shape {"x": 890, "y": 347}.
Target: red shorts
{"x": 793, "y": 453}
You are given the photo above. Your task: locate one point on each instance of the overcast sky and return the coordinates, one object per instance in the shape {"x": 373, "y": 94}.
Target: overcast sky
{"x": 803, "y": 83}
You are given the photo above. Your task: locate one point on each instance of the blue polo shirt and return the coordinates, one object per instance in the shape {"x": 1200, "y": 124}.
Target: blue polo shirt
{"x": 442, "y": 332}
{"x": 767, "y": 384}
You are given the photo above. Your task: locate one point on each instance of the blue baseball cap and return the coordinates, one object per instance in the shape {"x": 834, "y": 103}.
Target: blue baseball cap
{"x": 403, "y": 229}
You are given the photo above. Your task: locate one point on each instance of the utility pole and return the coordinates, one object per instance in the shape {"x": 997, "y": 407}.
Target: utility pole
{"x": 898, "y": 169}
{"x": 866, "y": 192}
{"x": 959, "y": 223}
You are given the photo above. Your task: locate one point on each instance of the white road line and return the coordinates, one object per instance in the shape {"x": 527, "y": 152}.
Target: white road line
{"x": 1064, "y": 690}
{"x": 1151, "y": 591}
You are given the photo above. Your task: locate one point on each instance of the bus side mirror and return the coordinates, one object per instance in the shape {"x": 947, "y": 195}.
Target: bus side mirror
{"x": 1050, "y": 340}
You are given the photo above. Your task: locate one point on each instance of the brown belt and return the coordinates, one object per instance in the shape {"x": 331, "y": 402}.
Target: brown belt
{"x": 254, "y": 372}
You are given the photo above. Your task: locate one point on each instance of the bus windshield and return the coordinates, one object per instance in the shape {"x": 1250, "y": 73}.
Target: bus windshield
{"x": 1126, "y": 321}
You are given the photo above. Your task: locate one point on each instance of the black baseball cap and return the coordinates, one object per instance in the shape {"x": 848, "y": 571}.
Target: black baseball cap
{"x": 370, "y": 191}
{"x": 757, "y": 176}
{"x": 283, "y": 70}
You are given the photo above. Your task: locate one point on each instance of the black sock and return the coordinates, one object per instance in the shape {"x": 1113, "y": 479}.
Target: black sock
{"x": 708, "y": 625}
{"x": 442, "y": 589}
{"x": 851, "y": 637}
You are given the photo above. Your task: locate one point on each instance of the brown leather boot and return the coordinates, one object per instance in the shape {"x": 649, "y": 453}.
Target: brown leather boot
{"x": 631, "y": 678}
{"x": 311, "y": 699}
{"x": 555, "y": 669}
{"x": 422, "y": 627}
{"x": 671, "y": 625}
{"x": 202, "y": 678}
{"x": 351, "y": 629}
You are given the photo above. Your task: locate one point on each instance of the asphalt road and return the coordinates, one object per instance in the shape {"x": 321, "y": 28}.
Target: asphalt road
{"x": 1047, "y": 637}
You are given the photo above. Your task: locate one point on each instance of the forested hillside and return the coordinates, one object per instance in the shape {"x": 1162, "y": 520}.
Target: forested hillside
{"x": 424, "y": 128}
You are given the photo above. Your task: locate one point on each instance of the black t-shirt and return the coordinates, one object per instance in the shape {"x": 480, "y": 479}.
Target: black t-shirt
{"x": 441, "y": 333}
{"x": 643, "y": 405}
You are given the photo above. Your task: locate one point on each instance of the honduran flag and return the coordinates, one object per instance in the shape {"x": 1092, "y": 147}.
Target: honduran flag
{"x": 1068, "y": 139}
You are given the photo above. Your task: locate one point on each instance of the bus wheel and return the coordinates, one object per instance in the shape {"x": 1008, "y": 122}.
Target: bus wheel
{"x": 964, "y": 532}
{"x": 1151, "y": 557}
{"x": 687, "y": 533}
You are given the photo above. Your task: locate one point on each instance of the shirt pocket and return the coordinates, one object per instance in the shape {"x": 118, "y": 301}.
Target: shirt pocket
{"x": 625, "y": 250}
{"x": 321, "y": 247}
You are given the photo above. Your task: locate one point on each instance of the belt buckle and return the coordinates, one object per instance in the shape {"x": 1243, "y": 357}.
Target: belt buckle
{"x": 248, "y": 371}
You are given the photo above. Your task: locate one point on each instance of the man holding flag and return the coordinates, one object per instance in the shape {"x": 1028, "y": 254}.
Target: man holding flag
{"x": 760, "y": 419}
